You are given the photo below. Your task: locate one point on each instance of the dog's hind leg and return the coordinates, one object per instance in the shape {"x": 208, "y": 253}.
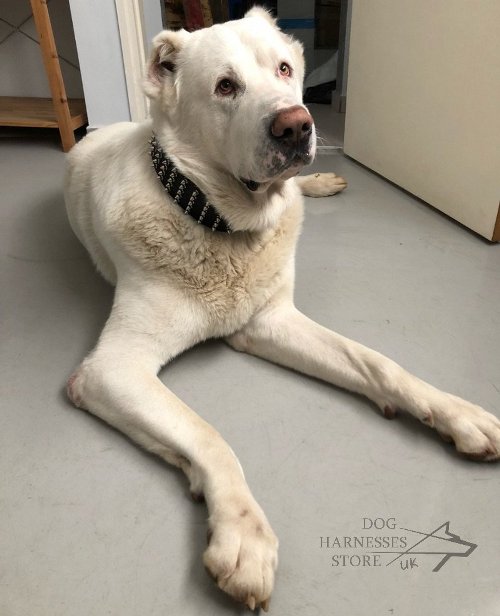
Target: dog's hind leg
{"x": 320, "y": 184}
{"x": 118, "y": 383}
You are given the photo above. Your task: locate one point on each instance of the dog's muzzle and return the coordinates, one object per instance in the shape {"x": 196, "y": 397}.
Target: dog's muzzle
{"x": 289, "y": 147}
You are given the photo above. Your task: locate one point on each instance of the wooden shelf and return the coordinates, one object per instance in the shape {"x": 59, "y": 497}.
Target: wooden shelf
{"x": 57, "y": 112}
{"x": 39, "y": 112}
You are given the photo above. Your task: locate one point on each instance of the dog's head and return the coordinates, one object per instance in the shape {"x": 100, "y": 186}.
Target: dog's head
{"x": 232, "y": 95}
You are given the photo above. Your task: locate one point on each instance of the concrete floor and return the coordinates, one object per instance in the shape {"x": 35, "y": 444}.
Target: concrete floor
{"x": 91, "y": 525}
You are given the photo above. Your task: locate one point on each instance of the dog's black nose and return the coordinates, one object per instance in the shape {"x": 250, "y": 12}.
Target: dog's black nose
{"x": 292, "y": 125}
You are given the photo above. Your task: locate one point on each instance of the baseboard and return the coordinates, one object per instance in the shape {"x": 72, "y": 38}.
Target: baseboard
{"x": 328, "y": 150}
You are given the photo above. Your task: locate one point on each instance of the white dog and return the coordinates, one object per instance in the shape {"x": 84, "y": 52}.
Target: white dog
{"x": 195, "y": 217}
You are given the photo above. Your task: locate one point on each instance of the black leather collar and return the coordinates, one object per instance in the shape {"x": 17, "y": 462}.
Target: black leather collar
{"x": 184, "y": 192}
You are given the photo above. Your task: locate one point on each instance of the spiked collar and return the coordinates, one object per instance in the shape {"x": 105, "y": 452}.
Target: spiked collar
{"x": 185, "y": 192}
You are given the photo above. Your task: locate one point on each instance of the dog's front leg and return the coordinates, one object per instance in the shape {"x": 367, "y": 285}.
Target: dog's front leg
{"x": 280, "y": 333}
{"x": 118, "y": 383}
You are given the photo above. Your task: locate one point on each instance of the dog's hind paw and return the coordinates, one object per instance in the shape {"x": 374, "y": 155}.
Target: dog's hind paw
{"x": 242, "y": 554}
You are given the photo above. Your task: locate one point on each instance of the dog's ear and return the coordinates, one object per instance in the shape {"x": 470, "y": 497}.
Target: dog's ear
{"x": 259, "y": 11}
{"x": 162, "y": 63}
{"x": 296, "y": 46}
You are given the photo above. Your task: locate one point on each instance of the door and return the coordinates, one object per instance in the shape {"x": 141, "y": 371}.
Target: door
{"x": 423, "y": 102}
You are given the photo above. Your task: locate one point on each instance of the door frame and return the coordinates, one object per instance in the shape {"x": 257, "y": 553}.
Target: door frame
{"x": 130, "y": 16}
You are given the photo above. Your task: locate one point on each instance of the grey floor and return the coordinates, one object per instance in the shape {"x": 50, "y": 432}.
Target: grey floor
{"x": 91, "y": 525}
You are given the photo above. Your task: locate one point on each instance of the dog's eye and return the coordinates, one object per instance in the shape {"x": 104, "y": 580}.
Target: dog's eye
{"x": 225, "y": 87}
{"x": 285, "y": 70}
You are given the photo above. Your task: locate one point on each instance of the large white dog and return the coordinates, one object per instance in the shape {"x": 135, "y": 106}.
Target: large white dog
{"x": 194, "y": 217}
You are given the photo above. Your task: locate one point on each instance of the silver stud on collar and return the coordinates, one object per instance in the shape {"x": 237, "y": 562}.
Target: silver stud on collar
{"x": 203, "y": 213}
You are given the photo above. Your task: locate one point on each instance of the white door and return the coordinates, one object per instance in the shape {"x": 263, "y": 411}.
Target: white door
{"x": 423, "y": 102}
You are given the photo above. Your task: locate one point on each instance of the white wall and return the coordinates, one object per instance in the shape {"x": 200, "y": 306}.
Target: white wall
{"x": 100, "y": 55}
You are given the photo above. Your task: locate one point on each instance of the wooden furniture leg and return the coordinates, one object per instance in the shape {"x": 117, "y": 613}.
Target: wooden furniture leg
{"x": 53, "y": 70}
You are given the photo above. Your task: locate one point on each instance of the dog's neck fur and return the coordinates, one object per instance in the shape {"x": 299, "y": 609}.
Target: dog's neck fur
{"x": 243, "y": 210}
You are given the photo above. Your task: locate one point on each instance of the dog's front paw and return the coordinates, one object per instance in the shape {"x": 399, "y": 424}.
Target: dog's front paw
{"x": 475, "y": 432}
{"x": 242, "y": 554}
{"x": 321, "y": 184}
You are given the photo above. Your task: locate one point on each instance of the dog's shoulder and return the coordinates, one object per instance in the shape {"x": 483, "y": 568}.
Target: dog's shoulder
{"x": 105, "y": 145}
{"x": 112, "y": 167}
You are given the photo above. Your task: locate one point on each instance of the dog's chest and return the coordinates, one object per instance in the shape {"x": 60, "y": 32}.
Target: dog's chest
{"x": 231, "y": 285}
{"x": 226, "y": 277}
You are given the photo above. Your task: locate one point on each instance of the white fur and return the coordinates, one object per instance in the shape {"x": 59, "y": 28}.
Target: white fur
{"x": 177, "y": 283}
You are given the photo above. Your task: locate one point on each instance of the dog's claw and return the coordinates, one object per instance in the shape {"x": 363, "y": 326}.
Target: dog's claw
{"x": 198, "y": 497}
{"x": 265, "y": 605}
{"x": 389, "y": 412}
{"x": 251, "y": 602}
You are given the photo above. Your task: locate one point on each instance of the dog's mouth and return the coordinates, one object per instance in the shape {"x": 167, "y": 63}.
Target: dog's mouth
{"x": 251, "y": 185}
{"x": 284, "y": 170}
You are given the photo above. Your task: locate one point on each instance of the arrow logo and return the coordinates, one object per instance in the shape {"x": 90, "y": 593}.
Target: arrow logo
{"x": 440, "y": 541}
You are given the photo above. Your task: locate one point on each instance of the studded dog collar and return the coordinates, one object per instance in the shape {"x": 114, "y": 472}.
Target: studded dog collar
{"x": 185, "y": 192}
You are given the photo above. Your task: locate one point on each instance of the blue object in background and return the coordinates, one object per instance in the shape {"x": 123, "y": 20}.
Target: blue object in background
{"x": 297, "y": 24}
